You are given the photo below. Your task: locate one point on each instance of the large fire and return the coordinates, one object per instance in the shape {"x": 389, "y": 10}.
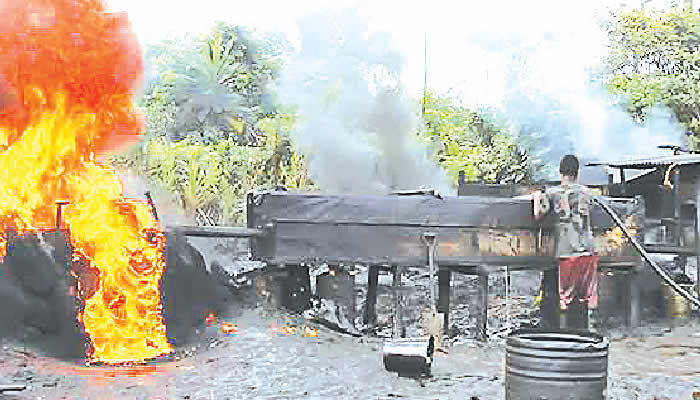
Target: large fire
{"x": 613, "y": 239}
{"x": 67, "y": 75}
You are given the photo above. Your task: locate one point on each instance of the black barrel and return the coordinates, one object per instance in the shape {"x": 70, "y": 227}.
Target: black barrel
{"x": 556, "y": 365}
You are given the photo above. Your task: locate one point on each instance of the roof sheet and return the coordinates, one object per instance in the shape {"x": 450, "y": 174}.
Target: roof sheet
{"x": 650, "y": 162}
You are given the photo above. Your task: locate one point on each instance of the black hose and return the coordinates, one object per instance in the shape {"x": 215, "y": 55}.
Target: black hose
{"x": 603, "y": 203}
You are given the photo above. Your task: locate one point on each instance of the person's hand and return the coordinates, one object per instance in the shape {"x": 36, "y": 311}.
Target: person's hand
{"x": 539, "y": 204}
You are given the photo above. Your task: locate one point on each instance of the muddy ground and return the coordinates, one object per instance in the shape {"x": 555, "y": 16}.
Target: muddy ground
{"x": 260, "y": 363}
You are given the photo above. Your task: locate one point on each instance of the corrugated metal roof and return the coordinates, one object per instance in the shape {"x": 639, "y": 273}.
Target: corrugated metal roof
{"x": 650, "y": 162}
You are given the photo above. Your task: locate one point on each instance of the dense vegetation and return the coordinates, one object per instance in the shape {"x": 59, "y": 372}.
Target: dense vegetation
{"x": 479, "y": 143}
{"x": 215, "y": 130}
{"x": 655, "y": 60}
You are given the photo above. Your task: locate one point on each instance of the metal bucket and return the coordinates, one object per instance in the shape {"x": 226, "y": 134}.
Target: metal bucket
{"x": 562, "y": 365}
{"x": 409, "y": 356}
{"x": 675, "y": 305}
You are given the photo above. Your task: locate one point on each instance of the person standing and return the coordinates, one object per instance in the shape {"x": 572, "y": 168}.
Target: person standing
{"x": 571, "y": 204}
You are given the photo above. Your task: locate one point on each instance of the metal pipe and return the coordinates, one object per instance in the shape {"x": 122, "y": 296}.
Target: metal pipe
{"x": 431, "y": 242}
{"x": 507, "y": 286}
{"x": 152, "y": 204}
{"x": 281, "y": 221}
{"x": 398, "y": 329}
{"x": 697, "y": 237}
{"x": 219, "y": 231}
{"x": 59, "y": 213}
{"x": 623, "y": 181}
{"x": 677, "y": 206}
{"x": 643, "y": 253}
{"x": 686, "y": 251}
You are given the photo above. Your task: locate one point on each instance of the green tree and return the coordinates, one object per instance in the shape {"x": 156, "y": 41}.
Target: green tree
{"x": 655, "y": 60}
{"x": 212, "y": 87}
{"x": 476, "y": 142}
{"x": 214, "y": 130}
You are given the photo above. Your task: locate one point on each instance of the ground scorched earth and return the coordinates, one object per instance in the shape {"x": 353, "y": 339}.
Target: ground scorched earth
{"x": 260, "y": 363}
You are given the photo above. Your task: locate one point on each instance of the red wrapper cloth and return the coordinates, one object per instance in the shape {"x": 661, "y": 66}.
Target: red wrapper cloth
{"x": 578, "y": 280}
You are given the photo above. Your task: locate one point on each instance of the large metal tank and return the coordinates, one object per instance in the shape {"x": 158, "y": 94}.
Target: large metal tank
{"x": 557, "y": 365}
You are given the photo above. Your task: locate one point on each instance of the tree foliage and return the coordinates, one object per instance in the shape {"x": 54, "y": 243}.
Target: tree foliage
{"x": 655, "y": 60}
{"x": 213, "y": 87}
{"x": 211, "y": 180}
{"x": 476, "y": 142}
{"x": 215, "y": 132}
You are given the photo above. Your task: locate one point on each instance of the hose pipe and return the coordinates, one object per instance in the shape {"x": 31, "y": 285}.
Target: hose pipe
{"x": 660, "y": 272}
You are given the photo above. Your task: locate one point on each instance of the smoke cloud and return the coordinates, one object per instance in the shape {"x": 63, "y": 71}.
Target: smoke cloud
{"x": 170, "y": 213}
{"x": 355, "y": 125}
{"x": 547, "y": 75}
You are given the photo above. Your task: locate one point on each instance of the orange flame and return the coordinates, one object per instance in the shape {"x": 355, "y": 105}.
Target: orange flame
{"x": 66, "y": 87}
{"x": 229, "y": 328}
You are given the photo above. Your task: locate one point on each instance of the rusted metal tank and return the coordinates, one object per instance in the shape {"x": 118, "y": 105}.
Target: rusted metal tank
{"x": 676, "y": 306}
{"x": 556, "y": 365}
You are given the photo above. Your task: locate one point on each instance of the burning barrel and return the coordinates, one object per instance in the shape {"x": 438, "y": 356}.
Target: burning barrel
{"x": 562, "y": 365}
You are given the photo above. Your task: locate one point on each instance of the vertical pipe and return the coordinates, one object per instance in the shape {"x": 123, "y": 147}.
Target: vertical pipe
{"x": 398, "y": 302}
{"x": 677, "y": 206}
{"x": 697, "y": 235}
{"x": 425, "y": 79}
{"x": 623, "y": 181}
{"x": 635, "y": 299}
{"x": 444, "y": 277}
{"x": 431, "y": 270}
{"x": 59, "y": 213}
{"x": 507, "y": 285}
{"x": 627, "y": 296}
{"x": 484, "y": 297}
{"x": 370, "y": 317}
{"x": 152, "y": 204}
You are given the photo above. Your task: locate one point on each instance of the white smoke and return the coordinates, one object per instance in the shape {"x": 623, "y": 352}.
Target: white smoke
{"x": 544, "y": 68}
{"x": 355, "y": 124}
{"x": 170, "y": 213}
